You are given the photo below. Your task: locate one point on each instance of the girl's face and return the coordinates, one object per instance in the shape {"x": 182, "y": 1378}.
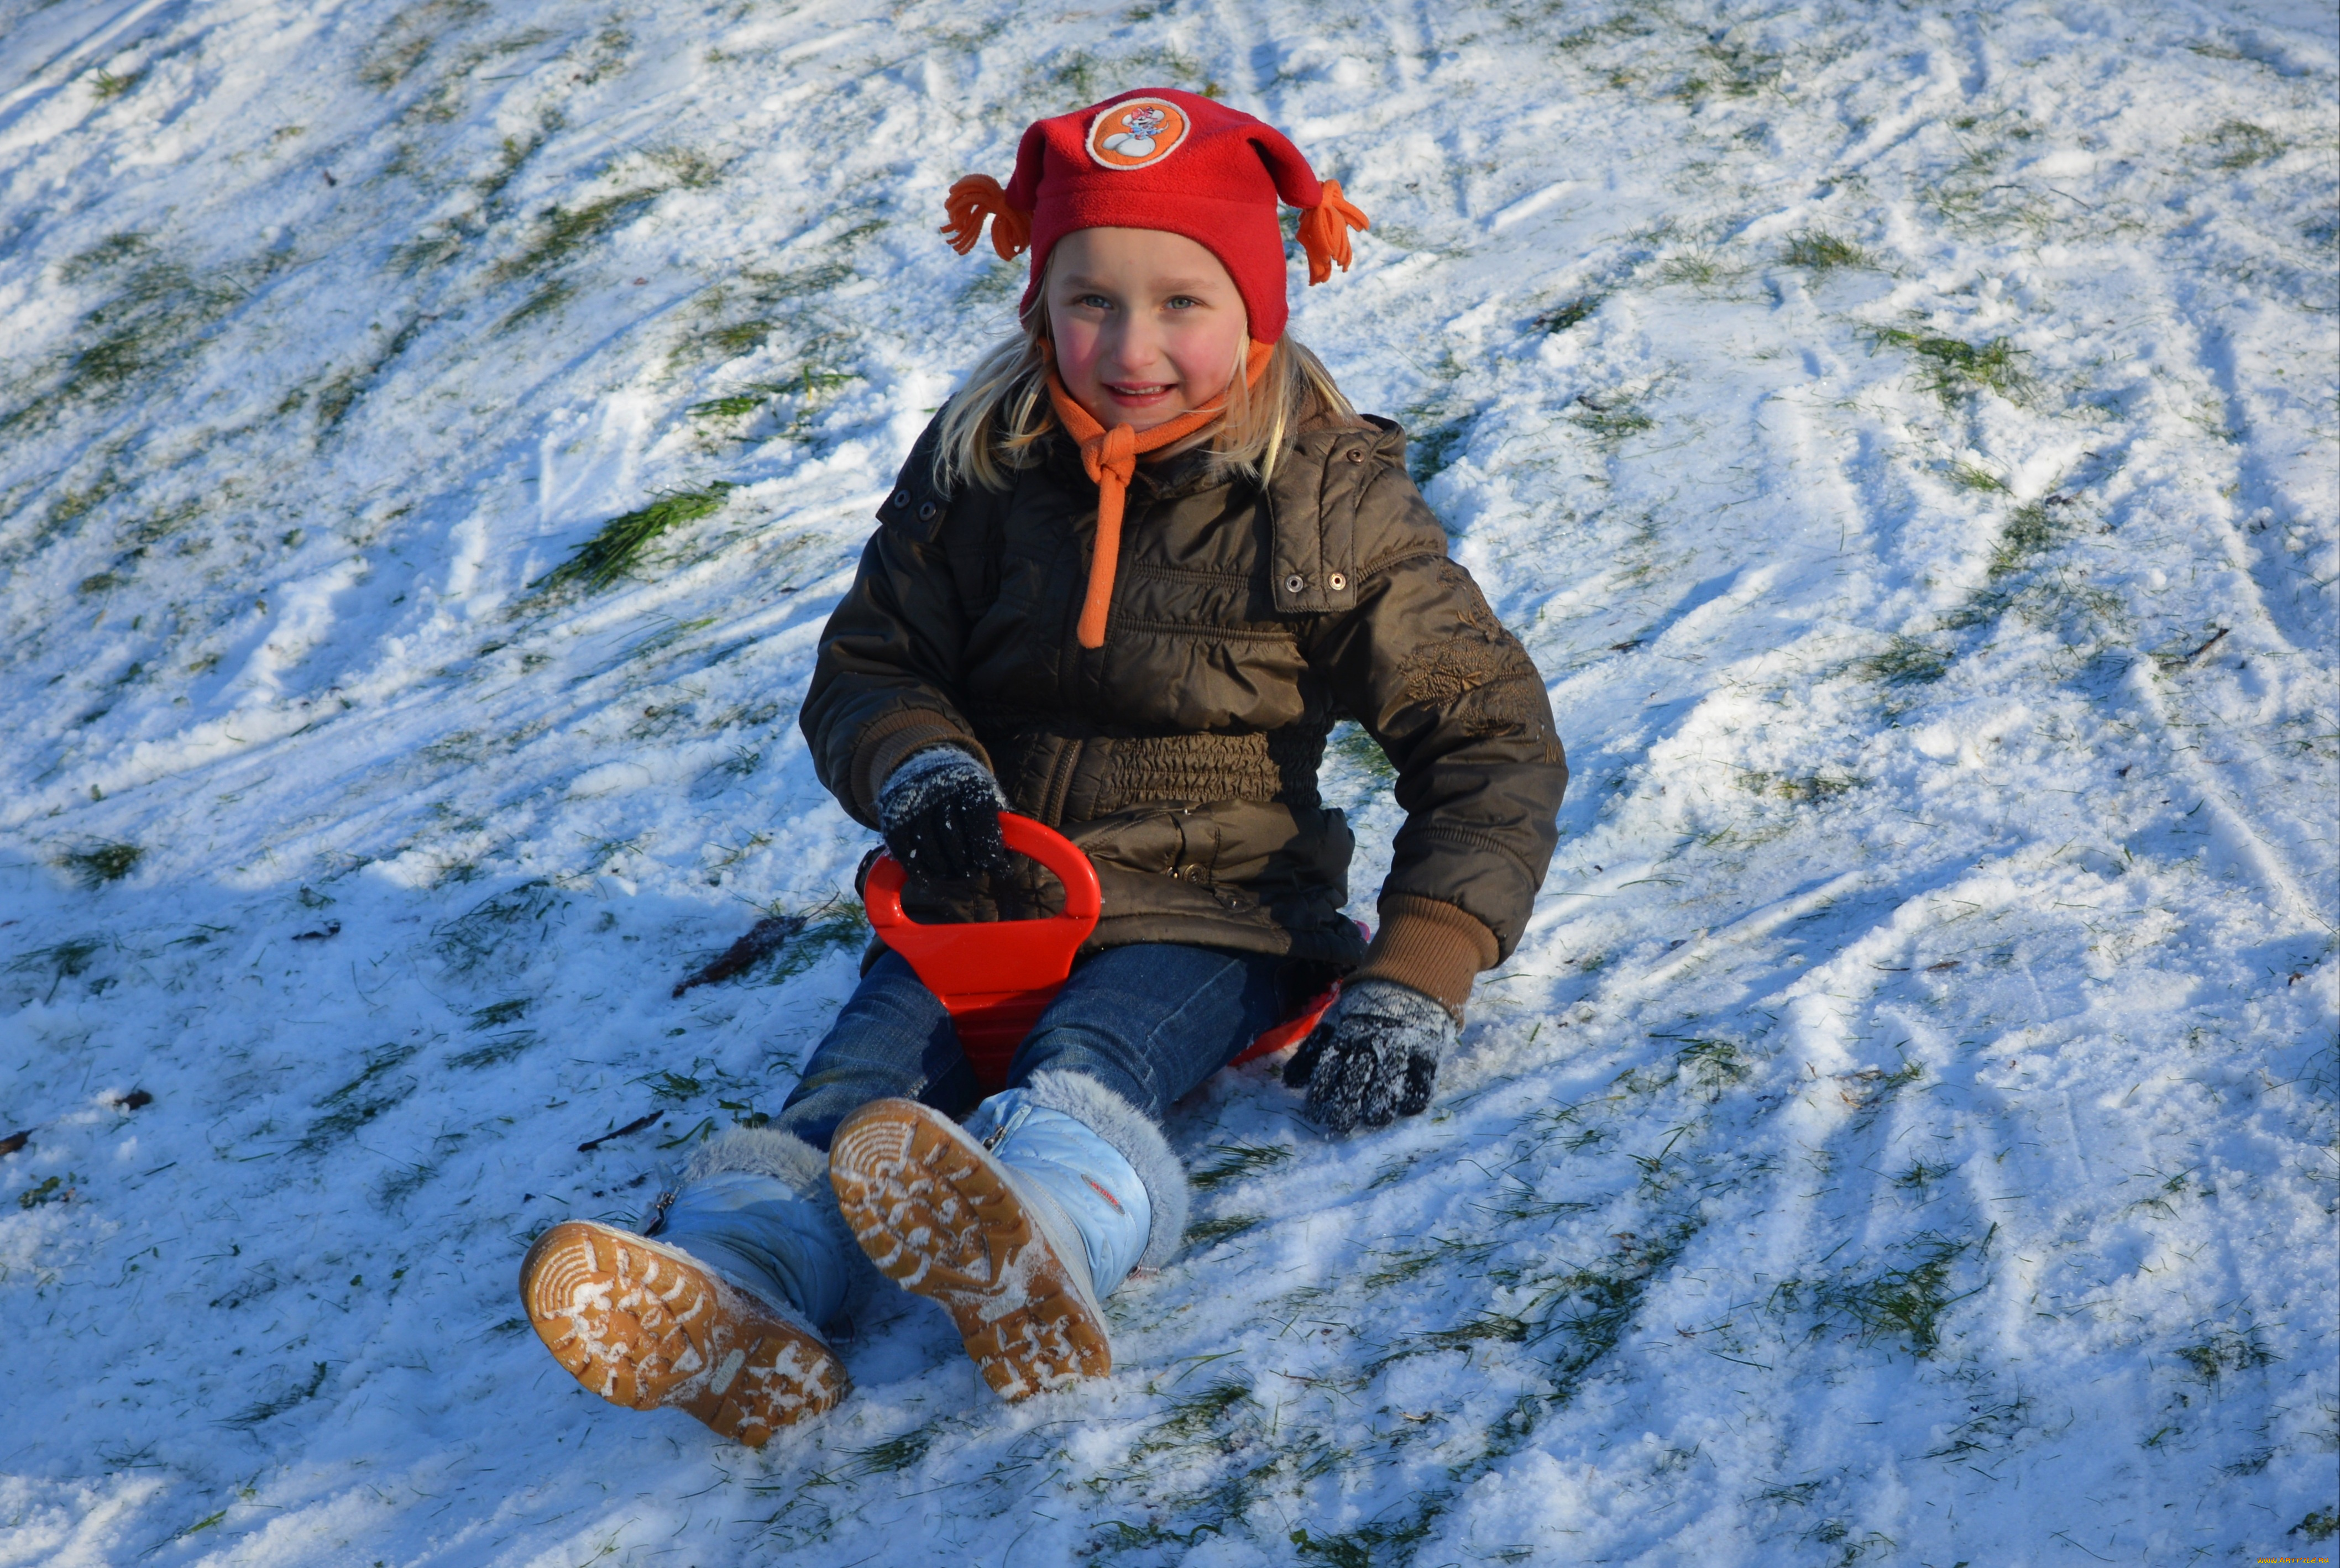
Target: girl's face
{"x": 1148, "y": 325}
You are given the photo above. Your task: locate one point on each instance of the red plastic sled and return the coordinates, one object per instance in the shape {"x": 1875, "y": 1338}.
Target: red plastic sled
{"x": 996, "y": 978}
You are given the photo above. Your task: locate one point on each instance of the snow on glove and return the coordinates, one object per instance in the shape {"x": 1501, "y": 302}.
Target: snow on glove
{"x": 939, "y": 813}
{"x": 1374, "y": 1058}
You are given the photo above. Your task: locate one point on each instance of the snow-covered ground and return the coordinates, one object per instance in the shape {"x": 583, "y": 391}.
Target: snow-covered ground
{"x": 1904, "y": 435}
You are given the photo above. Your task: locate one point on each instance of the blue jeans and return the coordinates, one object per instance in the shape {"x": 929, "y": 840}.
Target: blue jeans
{"x": 1148, "y": 1021}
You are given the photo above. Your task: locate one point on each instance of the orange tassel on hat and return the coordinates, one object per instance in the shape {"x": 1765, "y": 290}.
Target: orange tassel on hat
{"x": 1324, "y": 232}
{"x": 978, "y": 197}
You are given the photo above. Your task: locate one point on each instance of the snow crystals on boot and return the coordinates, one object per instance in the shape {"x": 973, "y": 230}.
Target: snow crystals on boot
{"x": 643, "y": 1325}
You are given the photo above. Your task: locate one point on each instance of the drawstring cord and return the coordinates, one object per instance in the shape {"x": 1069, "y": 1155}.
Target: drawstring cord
{"x": 1111, "y": 458}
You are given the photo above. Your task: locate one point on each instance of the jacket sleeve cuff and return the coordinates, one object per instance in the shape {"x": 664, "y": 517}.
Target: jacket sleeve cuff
{"x": 888, "y": 742}
{"x": 1436, "y": 948}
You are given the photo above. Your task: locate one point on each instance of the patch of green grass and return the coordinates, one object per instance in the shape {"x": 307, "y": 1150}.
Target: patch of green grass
{"x": 106, "y": 86}
{"x": 564, "y": 231}
{"x": 811, "y": 390}
{"x": 547, "y": 299}
{"x": 102, "y": 863}
{"x": 2029, "y": 530}
{"x": 1373, "y": 1543}
{"x": 692, "y": 170}
{"x": 424, "y": 252}
{"x": 1967, "y": 476}
{"x": 64, "y": 960}
{"x": 739, "y": 338}
{"x": 1810, "y": 787}
{"x": 2226, "y": 1351}
{"x": 735, "y": 406}
{"x": 470, "y": 937}
{"x": 495, "y": 1050}
{"x": 1209, "y": 1233}
{"x": 1713, "y": 1064}
{"x": 1352, "y": 744}
{"x": 1908, "y": 1302}
{"x": 512, "y": 157}
{"x": 111, "y": 252}
{"x": 1818, "y": 251}
{"x": 1611, "y": 420}
{"x": 1954, "y": 368}
{"x": 51, "y": 1189}
{"x": 1700, "y": 269}
{"x": 994, "y": 283}
{"x": 1238, "y": 1161}
{"x": 775, "y": 299}
{"x": 1582, "y": 308}
{"x": 359, "y": 1100}
{"x": 1589, "y": 1309}
{"x": 158, "y": 526}
{"x": 1499, "y": 1328}
{"x": 612, "y": 552}
{"x": 269, "y": 1409}
{"x": 403, "y": 1183}
{"x": 894, "y": 1454}
{"x": 1192, "y": 1419}
{"x": 147, "y": 325}
{"x": 2321, "y": 1524}
{"x": 2238, "y": 145}
{"x": 1920, "y": 1175}
{"x": 496, "y": 1015}
{"x": 673, "y": 1085}
{"x": 764, "y": 287}
{"x": 1078, "y": 76}
{"x": 377, "y": 1062}
{"x": 387, "y": 65}
{"x": 1414, "y": 1262}
{"x": 1433, "y": 447}
{"x": 1905, "y": 662}
{"x": 1990, "y": 1425}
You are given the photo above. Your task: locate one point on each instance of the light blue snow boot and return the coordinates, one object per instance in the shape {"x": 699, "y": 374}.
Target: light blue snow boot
{"x": 756, "y": 1230}
{"x": 1057, "y": 1161}
{"x": 1019, "y": 1222}
{"x": 715, "y": 1307}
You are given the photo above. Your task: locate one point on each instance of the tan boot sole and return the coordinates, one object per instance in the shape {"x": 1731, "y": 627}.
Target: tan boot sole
{"x": 643, "y": 1325}
{"x": 938, "y": 1219}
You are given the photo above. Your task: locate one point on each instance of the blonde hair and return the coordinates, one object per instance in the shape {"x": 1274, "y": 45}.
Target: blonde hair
{"x": 997, "y": 419}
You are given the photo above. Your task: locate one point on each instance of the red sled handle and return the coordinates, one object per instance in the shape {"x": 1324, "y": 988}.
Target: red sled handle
{"x": 996, "y": 978}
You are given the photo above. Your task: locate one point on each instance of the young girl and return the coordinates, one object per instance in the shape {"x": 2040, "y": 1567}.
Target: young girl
{"x": 1128, "y": 580}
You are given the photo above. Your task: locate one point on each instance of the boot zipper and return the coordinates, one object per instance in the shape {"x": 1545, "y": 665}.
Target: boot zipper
{"x": 658, "y": 1213}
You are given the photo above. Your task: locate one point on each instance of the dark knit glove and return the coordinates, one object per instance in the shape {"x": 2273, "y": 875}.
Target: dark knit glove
{"x": 1374, "y": 1058}
{"x": 939, "y": 813}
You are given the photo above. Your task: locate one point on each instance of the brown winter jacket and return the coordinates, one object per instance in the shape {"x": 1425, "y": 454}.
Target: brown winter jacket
{"x": 1182, "y": 756}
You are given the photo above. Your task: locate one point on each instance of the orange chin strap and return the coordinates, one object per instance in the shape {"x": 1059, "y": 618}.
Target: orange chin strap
{"x": 1111, "y": 458}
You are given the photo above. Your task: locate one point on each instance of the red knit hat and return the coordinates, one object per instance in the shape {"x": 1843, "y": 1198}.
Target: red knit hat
{"x": 1161, "y": 159}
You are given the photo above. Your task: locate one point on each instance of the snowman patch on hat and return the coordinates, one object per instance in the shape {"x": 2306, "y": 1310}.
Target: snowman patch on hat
{"x": 1137, "y": 133}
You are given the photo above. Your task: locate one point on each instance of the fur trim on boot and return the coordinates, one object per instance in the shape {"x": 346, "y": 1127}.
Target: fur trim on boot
{"x": 761, "y": 1151}
{"x": 1137, "y": 1140}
